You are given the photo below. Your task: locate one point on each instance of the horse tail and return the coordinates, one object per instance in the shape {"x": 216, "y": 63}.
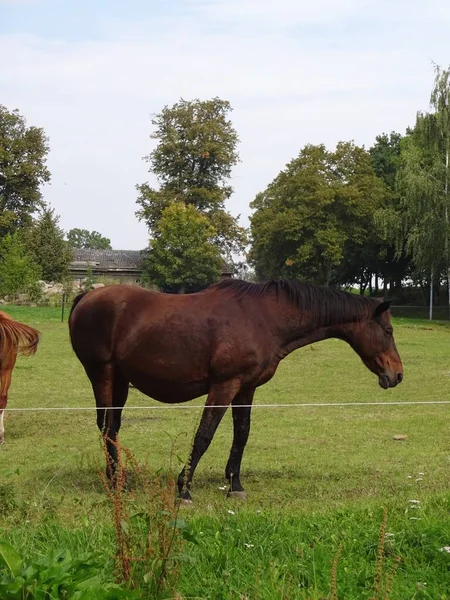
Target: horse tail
{"x": 17, "y": 336}
{"x": 76, "y": 300}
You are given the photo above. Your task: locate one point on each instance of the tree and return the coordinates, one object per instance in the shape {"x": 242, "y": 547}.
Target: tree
{"x": 192, "y": 162}
{"x": 18, "y": 272}
{"x": 46, "y": 245}
{"x": 182, "y": 256}
{"x": 304, "y": 220}
{"x": 82, "y": 238}
{"x": 393, "y": 263}
{"x": 385, "y": 154}
{"x": 23, "y": 154}
{"x": 424, "y": 184}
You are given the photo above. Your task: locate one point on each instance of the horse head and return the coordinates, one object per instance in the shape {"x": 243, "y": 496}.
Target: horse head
{"x": 373, "y": 340}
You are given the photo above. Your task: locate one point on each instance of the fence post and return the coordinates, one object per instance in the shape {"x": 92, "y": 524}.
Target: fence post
{"x": 62, "y": 307}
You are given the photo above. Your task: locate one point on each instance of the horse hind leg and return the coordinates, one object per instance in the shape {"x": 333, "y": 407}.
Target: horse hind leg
{"x": 110, "y": 389}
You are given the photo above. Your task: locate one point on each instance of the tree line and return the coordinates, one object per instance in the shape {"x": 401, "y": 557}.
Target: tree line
{"x": 375, "y": 218}
{"x": 361, "y": 217}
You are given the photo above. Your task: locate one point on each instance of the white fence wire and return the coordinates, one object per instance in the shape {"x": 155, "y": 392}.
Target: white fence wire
{"x": 201, "y": 406}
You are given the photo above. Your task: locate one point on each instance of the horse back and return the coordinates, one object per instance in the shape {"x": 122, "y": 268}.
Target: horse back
{"x": 128, "y": 324}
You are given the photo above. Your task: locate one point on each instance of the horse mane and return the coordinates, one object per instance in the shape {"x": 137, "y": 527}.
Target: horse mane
{"x": 330, "y": 305}
{"x": 15, "y": 335}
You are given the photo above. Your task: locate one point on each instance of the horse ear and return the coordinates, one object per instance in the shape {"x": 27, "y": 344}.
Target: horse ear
{"x": 381, "y": 308}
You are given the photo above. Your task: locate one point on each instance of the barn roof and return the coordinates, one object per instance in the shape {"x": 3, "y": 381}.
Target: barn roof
{"x": 108, "y": 260}
{"x": 113, "y": 260}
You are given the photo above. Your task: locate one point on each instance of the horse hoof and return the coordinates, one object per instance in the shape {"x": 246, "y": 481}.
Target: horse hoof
{"x": 241, "y": 495}
{"x": 185, "y": 502}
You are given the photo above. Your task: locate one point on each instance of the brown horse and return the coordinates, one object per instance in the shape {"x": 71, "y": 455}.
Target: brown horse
{"x": 15, "y": 337}
{"x": 224, "y": 341}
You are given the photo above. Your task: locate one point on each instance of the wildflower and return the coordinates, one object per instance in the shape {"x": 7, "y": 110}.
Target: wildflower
{"x": 222, "y": 487}
{"x": 445, "y": 549}
{"x": 414, "y": 502}
{"x": 409, "y": 476}
{"x": 419, "y": 479}
{"x": 249, "y": 545}
{"x": 231, "y": 512}
{"x": 421, "y": 475}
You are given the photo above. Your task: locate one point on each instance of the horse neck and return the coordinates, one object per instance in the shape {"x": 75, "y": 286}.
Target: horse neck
{"x": 297, "y": 328}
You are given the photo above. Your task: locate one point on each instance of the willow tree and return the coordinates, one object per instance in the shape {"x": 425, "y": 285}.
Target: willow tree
{"x": 424, "y": 185}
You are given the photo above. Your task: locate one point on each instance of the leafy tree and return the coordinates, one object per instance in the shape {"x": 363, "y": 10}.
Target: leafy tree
{"x": 182, "y": 256}
{"x": 306, "y": 218}
{"x": 23, "y": 154}
{"x": 18, "y": 272}
{"x": 82, "y": 238}
{"x": 392, "y": 261}
{"x": 424, "y": 183}
{"x": 192, "y": 162}
{"x": 385, "y": 155}
{"x": 46, "y": 245}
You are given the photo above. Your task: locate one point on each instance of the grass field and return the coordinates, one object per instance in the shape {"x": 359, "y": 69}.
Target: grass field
{"x": 318, "y": 478}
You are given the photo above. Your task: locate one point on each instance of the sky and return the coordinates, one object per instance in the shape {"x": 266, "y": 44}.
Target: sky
{"x": 92, "y": 73}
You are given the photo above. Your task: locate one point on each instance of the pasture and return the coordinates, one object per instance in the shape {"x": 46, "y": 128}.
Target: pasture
{"x": 318, "y": 478}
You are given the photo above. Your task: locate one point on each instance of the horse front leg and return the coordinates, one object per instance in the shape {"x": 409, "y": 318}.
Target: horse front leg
{"x": 5, "y": 383}
{"x": 241, "y": 407}
{"x": 2, "y": 427}
{"x": 219, "y": 398}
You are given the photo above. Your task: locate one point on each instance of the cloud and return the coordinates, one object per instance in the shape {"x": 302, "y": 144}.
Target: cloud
{"x": 284, "y": 12}
{"x": 294, "y": 72}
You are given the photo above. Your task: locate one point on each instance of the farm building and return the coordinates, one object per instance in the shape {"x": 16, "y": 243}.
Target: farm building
{"x": 123, "y": 266}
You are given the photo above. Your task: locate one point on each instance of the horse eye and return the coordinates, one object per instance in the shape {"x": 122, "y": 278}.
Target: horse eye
{"x": 389, "y": 332}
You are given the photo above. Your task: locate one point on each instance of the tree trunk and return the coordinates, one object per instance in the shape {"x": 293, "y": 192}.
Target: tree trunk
{"x": 431, "y": 296}
{"x": 391, "y": 287}
{"x": 424, "y": 291}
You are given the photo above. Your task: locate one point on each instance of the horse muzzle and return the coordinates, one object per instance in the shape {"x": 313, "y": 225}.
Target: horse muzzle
{"x": 389, "y": 381}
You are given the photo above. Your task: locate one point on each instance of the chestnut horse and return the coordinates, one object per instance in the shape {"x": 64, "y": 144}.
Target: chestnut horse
{"x": 15, "y": 337}
{"x": 224, "y": 341}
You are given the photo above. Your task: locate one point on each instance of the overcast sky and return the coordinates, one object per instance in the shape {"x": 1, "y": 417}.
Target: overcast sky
{"x": 92, "y": 72}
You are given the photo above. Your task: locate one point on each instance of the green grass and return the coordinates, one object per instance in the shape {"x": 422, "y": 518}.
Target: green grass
{"x": 315, "y": 477}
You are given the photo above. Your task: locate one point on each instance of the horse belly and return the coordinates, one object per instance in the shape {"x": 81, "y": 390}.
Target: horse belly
{"x": 170, "y": 392}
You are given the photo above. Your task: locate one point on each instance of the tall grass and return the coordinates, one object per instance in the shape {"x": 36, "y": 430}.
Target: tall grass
{"x": 149, "y": 534}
